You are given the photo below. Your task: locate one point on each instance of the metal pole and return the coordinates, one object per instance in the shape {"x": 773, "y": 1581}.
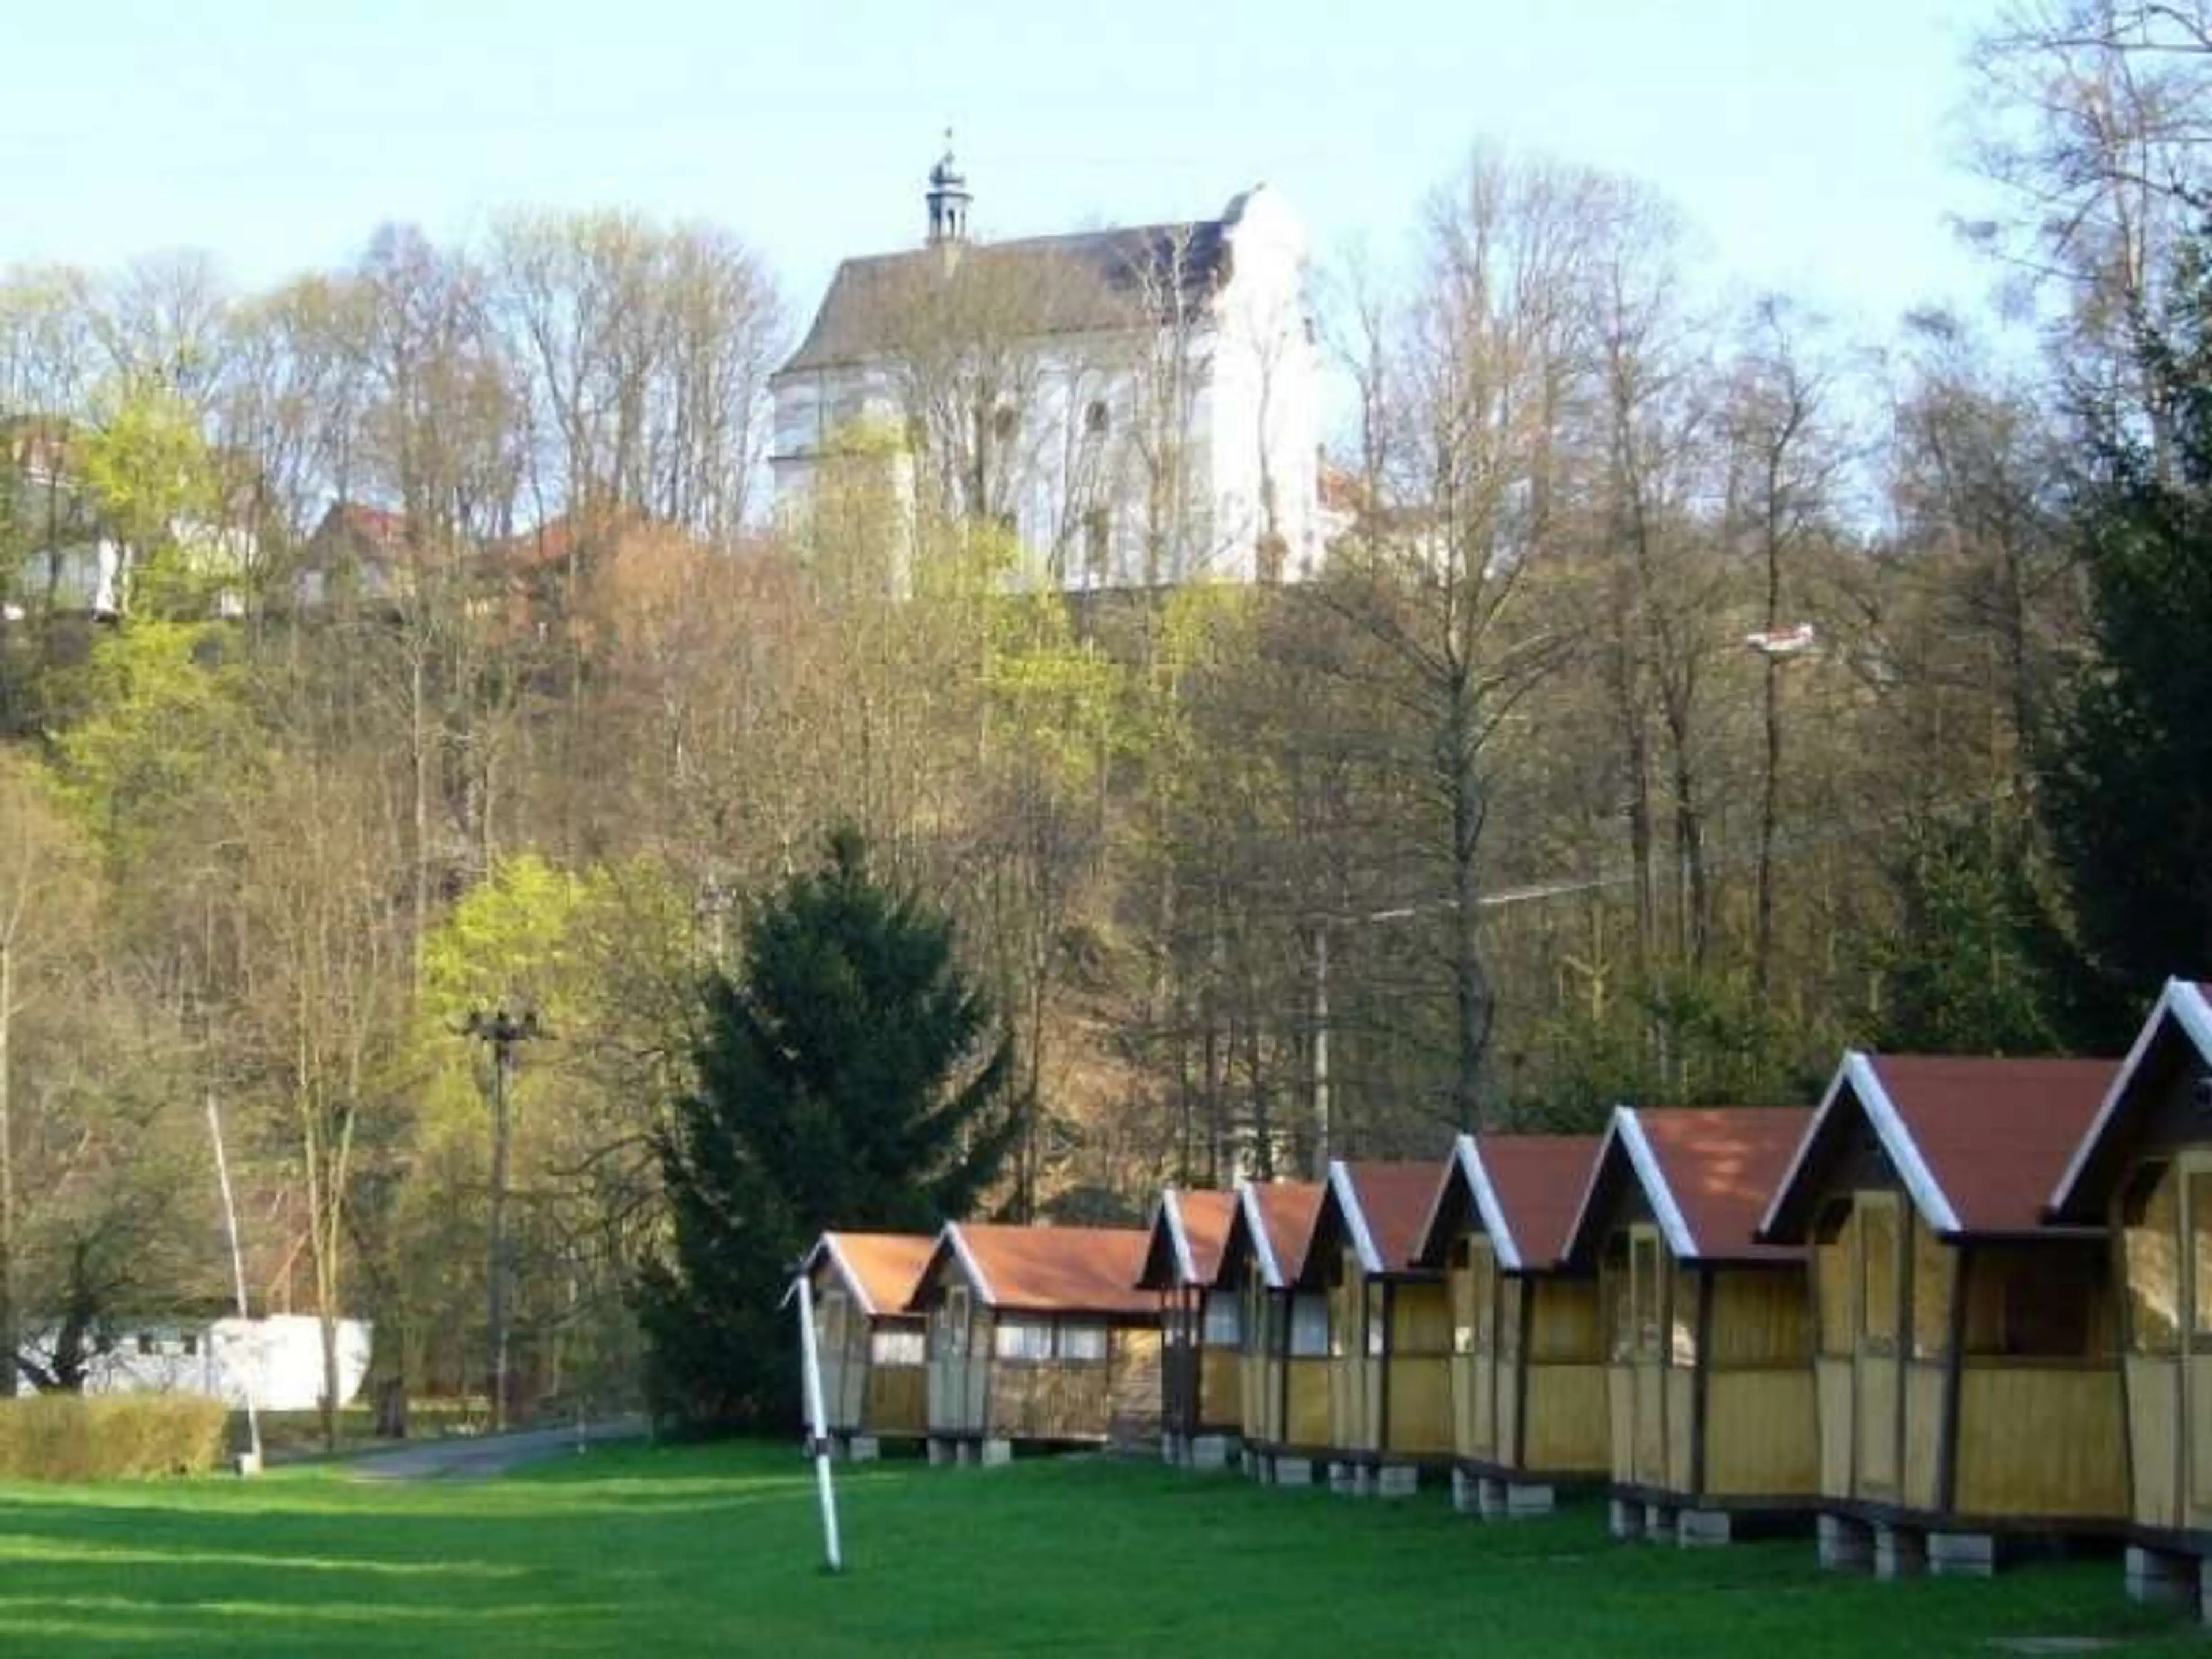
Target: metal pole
{"x": 251, "y": 1463}
{"x": 818, "y": 1420}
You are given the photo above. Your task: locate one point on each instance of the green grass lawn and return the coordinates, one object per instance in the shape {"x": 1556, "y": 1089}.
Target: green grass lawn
{"x": 652, "y": 1552}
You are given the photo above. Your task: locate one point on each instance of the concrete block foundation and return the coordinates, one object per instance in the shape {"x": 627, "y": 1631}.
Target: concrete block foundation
{"x": 1701, "y": 1529}
{"x": 992, "y": 1453}
{"x": 1659, "y": 1524}
{"x": 1624, "y": 1518}
{"x": 1526, "y": 1499}
{"x": 1845, "y": 1545}
{"x": 943, "y": 1452}
{"x": 1899, "y": 1553}
{"x": 864, "y": 1449}
{"x": 1210, "y": 1453}
{"x": 1396, "y": 1481}
{"x": 1294, "y": 1472}
{"x": 2161, "y": 1576}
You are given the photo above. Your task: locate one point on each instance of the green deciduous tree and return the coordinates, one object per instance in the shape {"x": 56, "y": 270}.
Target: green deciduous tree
{"x": 849, "y": 1074}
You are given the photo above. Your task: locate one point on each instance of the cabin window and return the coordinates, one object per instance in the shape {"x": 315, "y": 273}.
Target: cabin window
{"x": 1510, "y": 1290}
{"x": 1931, "y": 1291}
{"x": 1003, "y": 422}
{"x": 1224, "y": 1322}
{"x": 1023, "y": 1339}
{"x": 1619, "y": 1301}
{"x": 1082, "y": 1339}
{"x": 191, "y": 1344}
{"x": 1378, "y": 1323}
{"x": 1643, "y": 1289}
{"x": 956, "y": 1320}
{"x": 1309, "y": 1326}
{"x": 2200, "y": 1252}
{"x": 2150, "y": 1246}
{"x": 1878, "y": 1275}
{"x": 896, "y": 1347}
{"x": 1682, "y": 1324}
{"x": 2031, "y": 1303}
{"x": 145, "y": 1342}
{"x": 833, "y": 1320}
{"x": 1097, "y": 418}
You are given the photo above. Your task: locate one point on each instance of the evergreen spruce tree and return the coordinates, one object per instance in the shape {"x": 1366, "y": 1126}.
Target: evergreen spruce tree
{"x": 2125, "y": 772}
{"x": 850, "y": 1075}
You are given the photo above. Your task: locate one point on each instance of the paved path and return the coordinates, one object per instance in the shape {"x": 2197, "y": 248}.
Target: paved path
{"x": 473, "y": 1457}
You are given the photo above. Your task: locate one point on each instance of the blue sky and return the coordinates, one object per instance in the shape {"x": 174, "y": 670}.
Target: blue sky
{"x": 1814, "y": 146}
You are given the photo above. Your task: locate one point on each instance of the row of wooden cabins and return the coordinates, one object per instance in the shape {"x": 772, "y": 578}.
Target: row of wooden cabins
{"x": 1961, "y": 1309}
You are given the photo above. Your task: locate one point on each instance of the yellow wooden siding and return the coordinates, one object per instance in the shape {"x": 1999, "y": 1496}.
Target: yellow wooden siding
{"x": 1835, "y": 1275}
{"x": 2197, "y": 1420}
{"x": 1832, "y": 1396}
{"x": 1568, "y": 1431}
{"x": 2153, "y": 1387}
{"x": 1761, "y": 1316}
{"x": 1934, "y": 1267}
{"x": 898, "y": 1399}
{"x": 2150, "y": 1255}
{"x": 1923, "y": 1433}
{"x": 1135, "y": 1378}
{"x": 1049, "y": 1398}
{"x": 1566, "y": 1321}
{"x": 1620, "y": 1422}
{"x": 2040, "y": 1440}
{"x": 1879, "y": 1398}
{"x": 1648, "y": 1426}
{"x": 1309, "y": 1392}
{"x": 1759, "y": 1435}
{"x": 1220, "y": 1388}
{"x": 1421, "y": 1319}
{"x": 1420, "y": 1404}
{"x": 1681, "y": 1383}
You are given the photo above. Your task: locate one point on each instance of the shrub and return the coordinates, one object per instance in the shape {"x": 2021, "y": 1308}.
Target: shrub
{"x": 67, "y": 1436}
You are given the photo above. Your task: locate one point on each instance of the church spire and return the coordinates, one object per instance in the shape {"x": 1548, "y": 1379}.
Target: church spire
{"x": 948, "y": 198}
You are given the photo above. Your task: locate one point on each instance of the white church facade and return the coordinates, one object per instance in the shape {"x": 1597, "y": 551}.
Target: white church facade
{"x": 1138, "y": 405}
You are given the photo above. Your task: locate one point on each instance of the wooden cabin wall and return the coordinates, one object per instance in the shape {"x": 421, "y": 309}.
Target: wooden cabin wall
{"x": 1220, "y": 1390}
{"x": 1356, "y": 1375}
{"x": 840, "y": 1336}
{"x": 1050, "y": 1398}
{"x": 1471, "y": 1296}
{"x": 2040, "y": 1430}
{"x": 1565, "y": 1431}
{"x": 898, "y": 1399}
{"x": 1761, "y": 1434}
{"x": 959, "y": 1364}
{"x": 2148, "y": 1254}
{"x": 1418, "y": 1368}
{"x": 1134, "y": 1408}
{"x": 1259, "y": 1362}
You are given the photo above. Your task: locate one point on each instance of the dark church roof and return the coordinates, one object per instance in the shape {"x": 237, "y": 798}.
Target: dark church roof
{"x": 1089, "y": 281}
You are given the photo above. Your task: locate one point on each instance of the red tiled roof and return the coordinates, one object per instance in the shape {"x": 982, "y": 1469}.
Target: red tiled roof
{"x": 1995, "y": 1134}
{"x": 1206, "y": 1217}
{"x": 885, "y": 1266}
{"x": 1393, "y": 1201}
{"x": 1057, "y": 1269}
{"x": 1721, "y": 1165}
{"x": 2183, "y": 1015}
{"x": 1539, "y": 1181}
{"x": 1287, "y": 1209}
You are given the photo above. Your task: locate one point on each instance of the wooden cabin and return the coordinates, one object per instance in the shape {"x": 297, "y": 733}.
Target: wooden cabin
{"x": 1966, "y": 1386}
{"x": 1528, "y": 1344}
{"x": 1283, "y": 1377}
{"x": 1201, "y": 1329}
{"x": 2143, "y": 1170}
{"x": 1038, "y": 1336}
{"x": 1709, "y": 1334}
{"x": 1390, "y": 1327}
{"x": 872, "y": 1349}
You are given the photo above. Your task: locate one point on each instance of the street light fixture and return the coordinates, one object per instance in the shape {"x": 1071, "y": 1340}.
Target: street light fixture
{"x": 502, "y": 1033}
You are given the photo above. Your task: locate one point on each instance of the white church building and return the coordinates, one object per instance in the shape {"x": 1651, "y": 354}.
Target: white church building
{"x": 1138, "y": 405}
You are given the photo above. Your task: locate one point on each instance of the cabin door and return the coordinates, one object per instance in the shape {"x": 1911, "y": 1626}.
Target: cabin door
{"x": 2194, "y": 1171}
{"x": 1879, "y": 1348}
{"x": 1647, "y": 1290}
{"x": 1482, "y": 1373}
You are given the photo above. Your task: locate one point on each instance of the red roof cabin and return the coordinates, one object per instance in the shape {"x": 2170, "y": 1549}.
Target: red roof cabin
{"x": 1390, "y": 1327}
{"x": 1038, "y": 1336}
{"x": 2143, "y": 1171}
{"x": 1201, "y": 1329}
{"x": 1283, "y": 1377}
{"x": 1966, "y": 1387}
{"x": 1709, "y": 1341}
{"x": 1529, "y": 1358}
{"x": 871, "y": 1348}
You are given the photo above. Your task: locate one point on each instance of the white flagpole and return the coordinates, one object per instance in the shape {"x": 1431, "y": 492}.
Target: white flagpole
{"x": 251, "y": 1463}
{"x": 817, "y": 1419}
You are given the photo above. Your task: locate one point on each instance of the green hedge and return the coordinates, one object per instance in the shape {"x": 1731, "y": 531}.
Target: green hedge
{"x": 66, "y": 1436}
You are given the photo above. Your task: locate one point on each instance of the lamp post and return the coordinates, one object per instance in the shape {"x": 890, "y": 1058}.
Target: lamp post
{"x": 501, "y": 1033}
